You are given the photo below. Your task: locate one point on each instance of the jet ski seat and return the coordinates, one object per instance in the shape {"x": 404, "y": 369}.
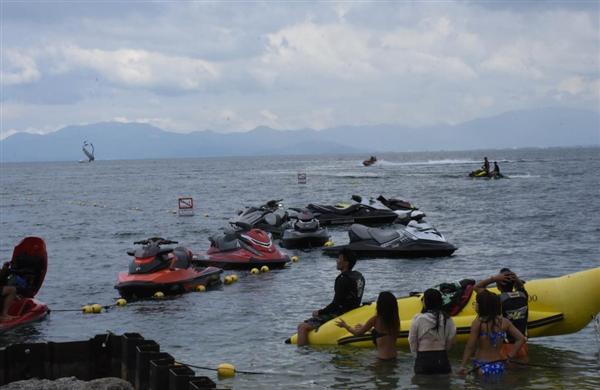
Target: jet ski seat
{"x": 306, "y": 226}
{"x": 225, "y": 243}
{"x": 360, "y": 232}
{"x": 334, "y": 210}
{"x": 182, "y": 257}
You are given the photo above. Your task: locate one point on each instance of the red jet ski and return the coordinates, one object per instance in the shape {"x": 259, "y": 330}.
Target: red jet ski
{"x": 242, "y": 248}
{"x": 169, "y": 270}
{"x": 27, "y": 272}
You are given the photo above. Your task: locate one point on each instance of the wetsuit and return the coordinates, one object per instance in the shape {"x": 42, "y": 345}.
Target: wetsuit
{"x": 349, "y": 287}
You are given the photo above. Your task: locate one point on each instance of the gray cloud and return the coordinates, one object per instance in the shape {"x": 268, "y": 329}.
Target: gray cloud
{"x": 232, "y": 66}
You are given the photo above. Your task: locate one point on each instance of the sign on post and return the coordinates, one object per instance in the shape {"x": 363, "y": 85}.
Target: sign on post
{"x": 301, "y": 178}
{"x": 186, "y": 206}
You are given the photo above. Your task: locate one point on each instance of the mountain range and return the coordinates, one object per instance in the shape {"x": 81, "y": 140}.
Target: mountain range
{"x": 547, "y": 127}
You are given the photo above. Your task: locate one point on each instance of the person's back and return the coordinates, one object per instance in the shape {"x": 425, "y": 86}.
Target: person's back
{"x": 492, "y": 333}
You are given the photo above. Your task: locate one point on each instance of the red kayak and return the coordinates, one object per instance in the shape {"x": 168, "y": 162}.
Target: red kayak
{"x": 168, "y": 270}
{"x": 29, "y": 263}
{"x": 242, "y": 248}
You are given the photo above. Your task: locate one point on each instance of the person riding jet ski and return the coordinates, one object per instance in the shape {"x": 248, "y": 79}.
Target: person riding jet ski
{"x": 269, "y": 217}
{"x": 304, "y": 231}
{"x": 416, "y": 240}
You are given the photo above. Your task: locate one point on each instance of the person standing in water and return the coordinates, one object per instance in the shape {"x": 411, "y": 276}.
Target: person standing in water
{"x": 384, "y": 326}
{"x": 486, "y": 166}
{"x": 349, "y": 287}
{"x": 431, "y": 334}
{"x": 487, "y": 335}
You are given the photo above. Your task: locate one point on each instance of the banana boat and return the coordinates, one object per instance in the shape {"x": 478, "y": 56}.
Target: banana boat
{"x": 557, "y": 306}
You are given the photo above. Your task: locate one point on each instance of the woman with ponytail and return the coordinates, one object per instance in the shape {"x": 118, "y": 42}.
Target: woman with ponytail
{"x": 431, "y": 335}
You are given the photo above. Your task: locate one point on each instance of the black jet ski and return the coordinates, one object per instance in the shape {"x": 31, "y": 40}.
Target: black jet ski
{"x": 416, "y": 240}
{"x": 304, "y": 231}
{"x": 269, "y": 217}
{"x": 344, "y": 213}
{"x": 405, "y": 210}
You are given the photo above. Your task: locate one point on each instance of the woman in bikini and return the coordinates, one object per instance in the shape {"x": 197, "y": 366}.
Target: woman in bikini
{"x": 384, "y": 326}
{"x": 488, "y": 332}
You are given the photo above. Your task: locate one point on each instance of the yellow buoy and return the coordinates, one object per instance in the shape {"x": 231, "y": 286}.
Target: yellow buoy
{"x": 200, "y": 288}
{"x": 159, "y": 294}
{"x": 254, "y": 271}
{"x": 226, "y": 370}
{"x": 295, "y": 259}
{"x": 121, "y": 302}
{"x": 234, "y": 277}
{"x": 97, "y": 308}
{"x": 328, "y": 243}
{"x": 227, "y": 280}
{"x": 264, "y": 268}
{"x": 87, "y": 309}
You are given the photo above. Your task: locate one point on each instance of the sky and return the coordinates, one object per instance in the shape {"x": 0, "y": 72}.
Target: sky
{"x": 234, "y": 65}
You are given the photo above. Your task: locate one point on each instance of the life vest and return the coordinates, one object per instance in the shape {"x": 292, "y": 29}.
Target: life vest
{"x": 515, "y": 309}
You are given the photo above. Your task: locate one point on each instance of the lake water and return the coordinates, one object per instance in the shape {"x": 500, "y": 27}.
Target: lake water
{"x": 544, "y": 221}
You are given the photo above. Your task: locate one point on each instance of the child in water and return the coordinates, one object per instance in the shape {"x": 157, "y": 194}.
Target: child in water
{"x": 384, "y": 326}
{"x": 487, "y": 335}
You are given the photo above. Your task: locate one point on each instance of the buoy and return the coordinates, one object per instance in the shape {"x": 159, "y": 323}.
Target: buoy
{"x": 264, "y": 268}
{"x": 227, "y": 280}
{"x": 97, "y": 308}
{"x": 87, "y": 309}
{"x": 226, "y": 370}
{"x": 159, "y": 294}
{"x": 254, "y": 271}
{"x": 295, "y": 259}
{"x": 328, "y": 243}
{"x": 234, "y": 277}
{"x": 121, "y": 302}
{"x": 200, "y": 288}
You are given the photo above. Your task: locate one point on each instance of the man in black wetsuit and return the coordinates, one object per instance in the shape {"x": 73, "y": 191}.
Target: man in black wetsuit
{"x": 496, "y": 171}
{"x": 514, "y": 300}
{"x": 486, "y": 166}
{"x": 349, "y": 287}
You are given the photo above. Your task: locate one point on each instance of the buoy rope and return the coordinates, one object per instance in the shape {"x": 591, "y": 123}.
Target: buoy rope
{"x": 216, "y": 369}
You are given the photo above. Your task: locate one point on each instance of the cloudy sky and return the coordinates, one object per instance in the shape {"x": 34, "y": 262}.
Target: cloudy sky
{"x": 233, "y": 65}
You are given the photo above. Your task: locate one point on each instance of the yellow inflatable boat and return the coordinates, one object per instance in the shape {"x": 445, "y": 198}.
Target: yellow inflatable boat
{"x": 556, "y": 306}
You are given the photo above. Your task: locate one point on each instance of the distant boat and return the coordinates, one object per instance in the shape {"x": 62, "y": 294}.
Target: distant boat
{"x": 370, "y": 161}
{"x": 88, "y": 150}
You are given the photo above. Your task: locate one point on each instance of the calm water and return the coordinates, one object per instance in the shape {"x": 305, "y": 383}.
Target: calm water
{"x": 543, "y": 222}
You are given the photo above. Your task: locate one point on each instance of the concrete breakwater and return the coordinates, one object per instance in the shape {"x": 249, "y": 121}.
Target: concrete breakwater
{"x": 130, "y": 357}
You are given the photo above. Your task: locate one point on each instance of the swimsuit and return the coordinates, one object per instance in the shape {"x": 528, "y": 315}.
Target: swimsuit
{"x": 375, "y": 335}
{"x": 432, "y": 362}
{"x": 494, "y": 337}
{"x": 489, "y": 368}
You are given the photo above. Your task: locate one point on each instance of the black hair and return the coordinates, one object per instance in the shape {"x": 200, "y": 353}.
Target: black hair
{"x": 349, "y": 256}
{"x": 387, "y": 311}
{"x": 432, "y": 303}
{"x": 507, "y": 286}
{"x": 489, "y": 308}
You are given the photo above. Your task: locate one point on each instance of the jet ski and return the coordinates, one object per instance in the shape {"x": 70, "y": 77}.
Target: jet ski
{"x": 372, "y": 160}
{"x": 483, "y": 174}
{"x": 416, "y": 240}
{"x": 269, "y": 217}
{"x": 242, "y": 247}
{"x": 166, "y": 269}
{"x": 304, "y": 231}
{"x": 27, "y": 270}
{"x": 404, "y": 209}
{"x": 366, "y": 212}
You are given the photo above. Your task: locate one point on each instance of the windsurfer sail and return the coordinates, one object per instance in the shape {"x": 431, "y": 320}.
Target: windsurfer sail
{"x": 88, "y": 149}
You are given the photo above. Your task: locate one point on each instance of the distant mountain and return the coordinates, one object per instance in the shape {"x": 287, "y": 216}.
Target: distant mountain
{"x": 530, "y": 128}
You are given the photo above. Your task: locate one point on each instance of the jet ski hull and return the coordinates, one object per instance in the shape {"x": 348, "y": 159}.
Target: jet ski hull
{"x": 240, "y": 260}
{"x": 168, "y": 281}
{"x": 373, "y": 250}
{"x": 294, "y": 239}
{"x": 24, "y": 311}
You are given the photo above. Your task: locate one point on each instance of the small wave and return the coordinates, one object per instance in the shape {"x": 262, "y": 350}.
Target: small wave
{"x": 354, "y": 175}
{"x": 428, "y": 162}
{"x": 525, "y": 176}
